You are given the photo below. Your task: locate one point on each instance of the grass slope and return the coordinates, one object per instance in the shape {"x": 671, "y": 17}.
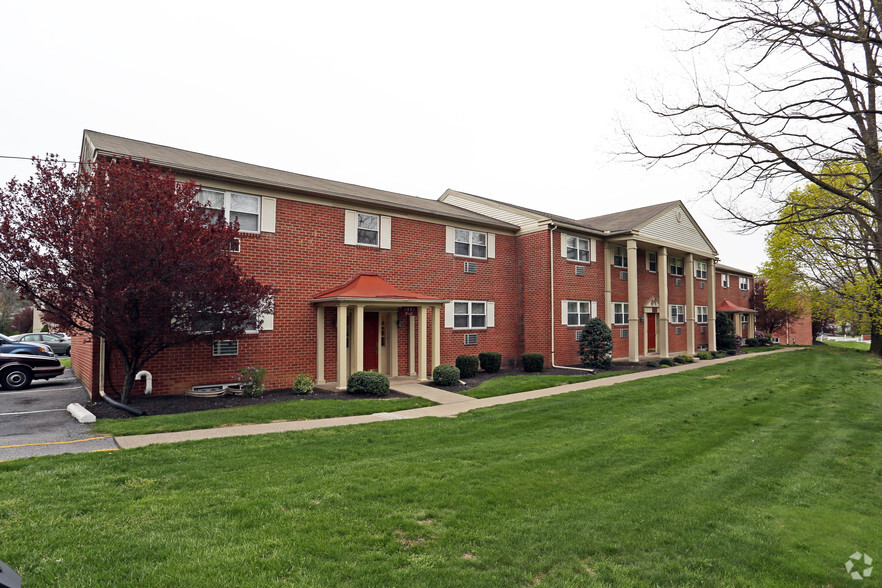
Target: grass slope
{"x": 765, "y": 471}
{"x": 513, "y": 384}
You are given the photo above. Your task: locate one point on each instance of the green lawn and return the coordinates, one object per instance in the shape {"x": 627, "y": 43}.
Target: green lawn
{"x": 291, "y": 410}
{"x": 65, "y": 361}
{"x": 765, "y": 471}
{"x": 525, "y": 383}
{"x": 858, "y": 345}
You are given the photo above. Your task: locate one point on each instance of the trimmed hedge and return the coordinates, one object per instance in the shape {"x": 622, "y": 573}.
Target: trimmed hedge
{"x": 446, "y": 375}
{"x": 373, "y": 383}
{"x": 491, "y": 361}
{"x": 468, "y": 365}
{"x": 533, "y": 362}
{"x": 683, "y": 358}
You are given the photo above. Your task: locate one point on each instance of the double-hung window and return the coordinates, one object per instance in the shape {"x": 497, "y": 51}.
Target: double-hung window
{"x": 724, "y": 280}
{"x": 368, "y": 232}
{"x": 470, "y": 243}
{"x": 578, "y": 313}
{"x": 578, "y": 249}
{"x": 743, "y": 283}
{"x": 469, "y": 315}
{"x": 678, "y": 313}
{"x": 676, "y": 266}
{"x": 701, "y": 270}
{"x": 701, "y": 314}
{"x": 233, "y": 206}
{"x": 620, "y": 313}
{"x": 620, "y": 256}
{"x": 652, "y": 261}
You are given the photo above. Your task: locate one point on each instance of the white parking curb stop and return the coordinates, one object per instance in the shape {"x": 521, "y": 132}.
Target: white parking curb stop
{"x": 81, "y": 414}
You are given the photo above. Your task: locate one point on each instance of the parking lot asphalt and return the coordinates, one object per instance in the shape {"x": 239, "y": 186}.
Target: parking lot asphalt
{"x": 35, "y": 421}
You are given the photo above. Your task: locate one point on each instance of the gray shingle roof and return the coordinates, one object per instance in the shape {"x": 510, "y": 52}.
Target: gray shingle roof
{"x": 626, "y": 220}
{"x": 218, "y": 167}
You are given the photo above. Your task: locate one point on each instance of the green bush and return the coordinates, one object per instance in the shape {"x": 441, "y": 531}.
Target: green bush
{"x": 533, "y": 362}
{"x": 666, "y": 361}
{"x": 718, "y": 354}
{"x": 679, "y": 360}
{"x": 491, "y": 361}
{"x": 731, "y": 352}
{"x": 652, "y": 364}
{"x": 596, "y": 345}
{"x": 251, "y": 379}
{"x": 303, "y": 384}
{"x": 446, "y": 375}
{"x": 751, "y": 342}
{"x": 725, "y": 332}
{"x": 468, "y": 365}
{"x": 704, "y": 355}
{"x": 373, "y": 383}
{"x": 684, "y": 359}
{"x": 764, "y": 341}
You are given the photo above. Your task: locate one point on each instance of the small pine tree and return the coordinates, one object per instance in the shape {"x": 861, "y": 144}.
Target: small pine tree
{"x": 725, "y": 332}
{"x": 596, "y": 346}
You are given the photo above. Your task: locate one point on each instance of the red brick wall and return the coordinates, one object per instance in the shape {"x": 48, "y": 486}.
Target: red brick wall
{"x": 799, "y": 330}
{"x": 569, "y": 286}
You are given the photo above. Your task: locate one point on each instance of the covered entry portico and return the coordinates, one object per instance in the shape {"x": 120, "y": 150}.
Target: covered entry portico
{"x": 368, "y": 312}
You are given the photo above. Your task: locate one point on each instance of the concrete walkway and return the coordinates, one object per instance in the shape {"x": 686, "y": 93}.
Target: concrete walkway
{"x": 449, "y": 405}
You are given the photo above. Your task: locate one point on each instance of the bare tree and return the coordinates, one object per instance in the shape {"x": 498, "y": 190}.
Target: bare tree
{"x": 803, "y": 106}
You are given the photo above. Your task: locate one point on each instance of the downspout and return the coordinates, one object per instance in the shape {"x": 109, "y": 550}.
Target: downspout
{"x": 101, "y": 361}
{"x": 552, "y": 227}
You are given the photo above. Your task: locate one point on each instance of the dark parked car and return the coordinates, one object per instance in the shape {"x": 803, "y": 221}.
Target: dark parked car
{"x": 18, "y": 368}
{"x": 59, "y": 345}
{"x": 7, "y": 345}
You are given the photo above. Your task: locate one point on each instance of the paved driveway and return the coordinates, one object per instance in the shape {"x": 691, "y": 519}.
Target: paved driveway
{"x": 35, "y": 421}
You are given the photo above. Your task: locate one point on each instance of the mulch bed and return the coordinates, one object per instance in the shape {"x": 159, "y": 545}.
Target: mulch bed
{"x": 177, "y": 404}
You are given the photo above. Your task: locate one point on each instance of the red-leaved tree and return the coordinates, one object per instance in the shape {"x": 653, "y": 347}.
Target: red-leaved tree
{"x": 120, "y": 250}
{"x": 769, "y": 319}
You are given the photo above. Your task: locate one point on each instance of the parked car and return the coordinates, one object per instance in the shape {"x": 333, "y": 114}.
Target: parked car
{"x": 18, "y": 370}
{"x": 7, "y": 345}
{"x": 59, "y": 345}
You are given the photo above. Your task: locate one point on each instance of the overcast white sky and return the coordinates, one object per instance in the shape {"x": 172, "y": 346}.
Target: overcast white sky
{"x": 516, "y": 101}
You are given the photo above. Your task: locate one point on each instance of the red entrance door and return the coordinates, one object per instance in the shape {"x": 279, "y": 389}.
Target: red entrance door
{"x": 651, "y": 328}
{"x": 371, "y": 341}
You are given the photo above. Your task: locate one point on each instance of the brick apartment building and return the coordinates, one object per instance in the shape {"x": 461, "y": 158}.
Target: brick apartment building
{"x": 369, "y": 279}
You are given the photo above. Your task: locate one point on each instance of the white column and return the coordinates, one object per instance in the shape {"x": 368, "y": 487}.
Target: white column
{"x": 357, "y": 342}
{"x": 663, "y": 308}
{"x": 711, "y": 305}
{"x": 607, "y": 285}
{"x": 421, "y": 347}
{"x": 342, "y": 359}
{"x": 320, "y": 345}
{"x": 411, "y": 346}
{"x": 436, "y": 336}
{"x": 690, "y": 304}
{"x": 634, "y": 309}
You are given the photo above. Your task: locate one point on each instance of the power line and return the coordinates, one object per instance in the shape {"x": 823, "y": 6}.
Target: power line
{"x": 38, "y": 159}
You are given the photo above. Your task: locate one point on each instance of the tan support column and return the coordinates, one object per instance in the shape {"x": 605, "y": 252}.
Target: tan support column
{"x": 436, "y": 336}
{"x": 663, "y": 308}
{"x": 736, "y": 320}
{"x": 607, "y": 284}
{"x": 711, "y": 305}
{"x": 342, "y": 360}
{"x": 357, "y": 342}
{"x": 751, "y": 325}
{"x": 690, "y": 304}
{"x": 411, "y": 346}
{"x": 634, "y": 309}
{"x": 320, "y": 345}
{"x": 392, "y": 343}
{"x": 421, "y": 347}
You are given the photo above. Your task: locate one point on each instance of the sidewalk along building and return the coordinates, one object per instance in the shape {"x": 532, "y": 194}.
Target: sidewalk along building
{"x": 374, "y": 280}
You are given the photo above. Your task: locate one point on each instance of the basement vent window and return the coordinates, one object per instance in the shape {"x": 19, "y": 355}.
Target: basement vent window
{"x": 679, "y": 282}
{"x": 580, "y": 270}
{"x": 235, "y": 245}
{"x": 702, "y": 285}
{"x": 623, "y": 333}
{"x": 703, "y": 329}
{"x": 470, "y": 267}
{"x": 222, "y": 348}
{"x": 623, "y": 276}
{"x": 776, "y": 340}
{"x": 702, "y": 347}
{"x": 679, "y": 330}
{"x": 579, "y": 335}
{"x": 471, "y": 339}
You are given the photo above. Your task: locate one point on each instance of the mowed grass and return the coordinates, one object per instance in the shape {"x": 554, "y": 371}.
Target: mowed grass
{"x": 291, "y": 410}
{"x": 513, "y": 384}
{"x": 856, "y": 345}
{"x": 759, "y": 472}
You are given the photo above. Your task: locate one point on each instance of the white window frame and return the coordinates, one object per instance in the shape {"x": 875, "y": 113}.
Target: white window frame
{"x": 701, "y": 312}
{"x": 743, "y": 318}
{"x": 724, "y": 281}
{"x": 228, "y": 213}
{"x": 744, "y": 284}
{"x": 358, "y": 229}
{"x": 620, "y": 256}
{"x": 676, "y": 266}
{"x": 652, "y": 260}
{"x": 578, "y": 248}
{"x": 678, "y": 311}
{"x": 620, "y": 311}
{"x": 470, "y": 236}
{"x": 471, "y": 314}
{"x": 581, "y": 309}
{"x": 701, "y": 270}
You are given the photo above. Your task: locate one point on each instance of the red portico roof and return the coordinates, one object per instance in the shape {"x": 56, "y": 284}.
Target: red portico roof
{"x": 726, "y": 306}
{"x": 367, "y": 286}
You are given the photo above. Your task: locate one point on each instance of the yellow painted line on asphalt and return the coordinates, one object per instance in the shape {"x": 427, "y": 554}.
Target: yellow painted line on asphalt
{"x": 100, "y": 450}
{"x": 54, "y": 442}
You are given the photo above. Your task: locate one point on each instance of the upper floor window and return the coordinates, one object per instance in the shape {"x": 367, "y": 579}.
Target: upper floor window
{"x": 701, "y": 314}
{"x": 368, "y": 229}
{"x": 578, "y": 312}
{"x": 470, "y": 243}
{"x": 620, "y": 256}
{"x": 620, "y": 313}
{"x": 678, "y": 313}
{"x": 233, "y": 206}
{"x": 652, "y": 261}
{"x": 743, "y": 283}
{"x": 701, "y": 270}
{"x": 578, "y": 249}
{"x": 724, "y": 280}
{"x": 676, "y": 266}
